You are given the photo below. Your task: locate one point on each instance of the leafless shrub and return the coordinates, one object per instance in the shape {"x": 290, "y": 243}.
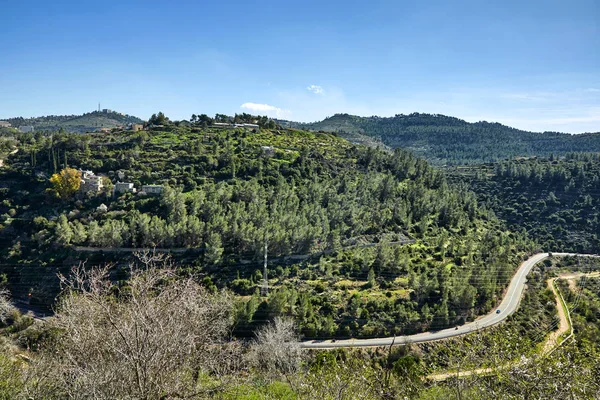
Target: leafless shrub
{"x": 152, "y": 259}
{"x": 6, "y": 305}
{"x": 336, "y": 379}
{"x": 276, "y": 348}
{"x": 148, "y": 340}
{"x": 226, "y": 360}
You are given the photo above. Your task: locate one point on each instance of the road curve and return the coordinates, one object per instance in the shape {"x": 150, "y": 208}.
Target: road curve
{"x": 509, "y": 305}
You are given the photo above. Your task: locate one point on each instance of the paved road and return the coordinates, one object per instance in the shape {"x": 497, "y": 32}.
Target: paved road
{"x": 33, "y": 311}
{"x": 508, "y": 306}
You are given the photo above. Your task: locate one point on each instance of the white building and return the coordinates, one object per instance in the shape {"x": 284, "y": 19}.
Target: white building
{"x": 124, "y": 187}
{"x": 247, "y": 126}
{"x": 228, "y": 125}
{"x": 4, "y": 124}
{"x": 152, "y": 189}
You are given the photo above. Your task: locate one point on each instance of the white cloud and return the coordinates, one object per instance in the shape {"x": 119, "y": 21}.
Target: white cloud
{"x": 316, "y": 89}
{"x": 267, "y": 109}
{"x": 592, "y": 90}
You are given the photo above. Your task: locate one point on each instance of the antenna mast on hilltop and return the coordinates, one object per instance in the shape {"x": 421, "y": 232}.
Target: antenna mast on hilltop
{"x": 265, "y": 285}
{"x": 98, "y": 106}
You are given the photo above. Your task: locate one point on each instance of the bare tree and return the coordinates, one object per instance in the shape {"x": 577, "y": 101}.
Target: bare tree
{"x": 276, "y": 348}
{"x": 340, "y": 378}
{"x": 6, "y": 305}
{"x": 149, "y": 339}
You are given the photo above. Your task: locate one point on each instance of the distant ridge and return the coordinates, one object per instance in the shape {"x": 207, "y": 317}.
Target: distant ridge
{"x": 448, "y": 140}
{"x": 87, "y": 122}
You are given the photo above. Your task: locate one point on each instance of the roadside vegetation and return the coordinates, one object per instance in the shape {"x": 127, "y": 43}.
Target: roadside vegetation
{"x": 523, "y": 334}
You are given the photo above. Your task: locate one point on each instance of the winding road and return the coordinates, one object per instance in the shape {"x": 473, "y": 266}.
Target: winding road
{"x": 509, "y": 305}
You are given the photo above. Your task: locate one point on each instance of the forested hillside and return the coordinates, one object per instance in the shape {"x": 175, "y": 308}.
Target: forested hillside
{"x": 76, "y": 123}
{"x": 361, "y": 242}
{"x": 556, "y": 200}
{"x": 450, "y": 141}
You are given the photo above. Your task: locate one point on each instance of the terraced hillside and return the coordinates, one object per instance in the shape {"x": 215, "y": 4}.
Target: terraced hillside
{"x": 360, "y": 241}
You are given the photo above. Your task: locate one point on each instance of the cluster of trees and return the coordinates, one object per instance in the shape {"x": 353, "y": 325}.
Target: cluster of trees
{"x": 451, "y": 141}
{"x": 66, "y": 183}
{"x": 262, "y": 120}
{"x": 159, "y": 119}
{"x": 387, "y": 290}
{"x": 52, "y": 120}
{"x": 203, "y": 120}
{"x": 296, "y": 217}
{"x": 243, "y": 118}
{"x": 555, "y": 199}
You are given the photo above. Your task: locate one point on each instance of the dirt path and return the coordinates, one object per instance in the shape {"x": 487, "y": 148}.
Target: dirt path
{"x": 459, "y": 374}
{"x": 563, "y": 327}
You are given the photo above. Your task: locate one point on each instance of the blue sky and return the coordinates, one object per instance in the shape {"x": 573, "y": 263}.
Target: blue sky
{"x": 530, "y": 64}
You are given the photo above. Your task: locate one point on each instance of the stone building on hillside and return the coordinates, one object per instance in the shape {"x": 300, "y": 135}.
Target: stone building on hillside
{"x": 90, "y": 182}
{"x": 124, "y": 187}
{"x": 152, "y": 189}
